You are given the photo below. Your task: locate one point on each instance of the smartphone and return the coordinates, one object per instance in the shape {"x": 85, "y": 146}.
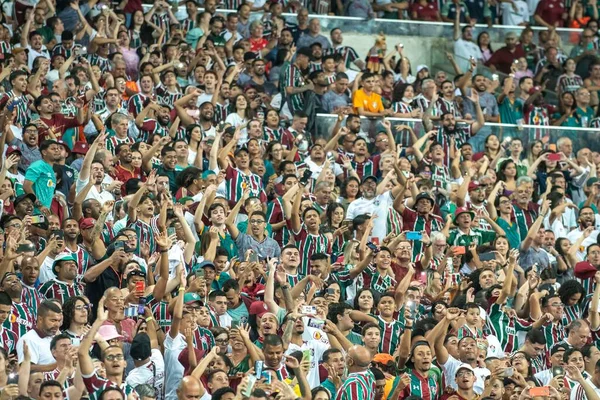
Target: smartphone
{"x": 37, "y": 219}
{"x": 460, "y": 250}
{"x": 330, "y": 291}
{"x": 306, "y": 355}
{"x": 316, "y": 323}
{"x": 414, "y": 235}
{"x": 250, "y": 388}
{"x": 266, "y": 375}
{"x": 235, "y": 324}
{"x": 25, "y": 247}
{"x": 140, "y": 286}
{"x": 13, "y": 379}
{"x": 487, "y": 257}
{"x": 142, "y": 304}
{"x": 170, "y": 231}
{"x": 258, "y": 368}
{"x": 553, "y": 157}
{"x": 119, "y": 245}
{"x": 508, "y": 372}
{"x": 347, "y": 222}
{"x": 309, "y": 310}
{"x": 558, "y": 371}
{"x": 373, "y": 247}
{"x": 253, "y": 257}
{"x": 543, "y": 391}
{"x": 412, "y": 306}
{"x": 305, "y": 177}
{"x": 59, "y": 233}
{"x": 200, "y": 273}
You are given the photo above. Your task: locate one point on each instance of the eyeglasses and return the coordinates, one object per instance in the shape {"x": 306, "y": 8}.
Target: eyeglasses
{"x": 257, "y": 221}
{"x": 114, "y": 357}
{"x": 81, "y": 308}
{"x": 505, "y": 202}
{"x": 222, "y": 340}
{"x": 463, "y": 373}
{"x": 516, "y": 358}
{"x": 18, "y": 226}
{"x": 557, "y": 305}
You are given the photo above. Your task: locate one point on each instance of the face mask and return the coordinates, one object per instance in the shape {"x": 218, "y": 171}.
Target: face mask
{"x": 303, "y": 145}
{"x": 407, "y": 100}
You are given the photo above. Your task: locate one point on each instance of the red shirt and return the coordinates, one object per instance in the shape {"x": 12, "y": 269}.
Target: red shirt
{"x": 503, "y": 58}
{"x": 123, "y": 174}
{"x": 428, "y": 12}
{"x": 551, "y": 11}
{"x": 59, "y": 124}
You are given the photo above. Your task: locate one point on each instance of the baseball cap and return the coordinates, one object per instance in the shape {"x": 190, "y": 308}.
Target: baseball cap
{"x": 205, "y": 264}
{"x": 13, "y": 149}
{"x": 63, "y": 257}
{"x": 189, "y": 298}
{"x": 465, "y": 366}
{"x": 207, "y": 173}
{"x": 304, "y": 51}
{"x": 424, "y": 195}
{"x": 473, "y": 185}
{"x": 383, "y": 358}
{"x": 238, "y": 151}
{"x": 462, "y": 210}
{"x": 366, "y": 178}
{"x": 421, "y": 67}
{"x": 81, "y": 148}
{"x": 258, "y": 308}
{"x": 87, "y": 223}
{"x": 558, "y": 347}
{"x": 22, "y": 197}
{"x": 140, "y": 347}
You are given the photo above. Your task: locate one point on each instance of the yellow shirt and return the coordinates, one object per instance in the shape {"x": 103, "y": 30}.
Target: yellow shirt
{"x": 371, "y": 103}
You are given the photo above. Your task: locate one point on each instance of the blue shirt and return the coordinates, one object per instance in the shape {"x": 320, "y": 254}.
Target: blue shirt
{"x": 44, "y": 181}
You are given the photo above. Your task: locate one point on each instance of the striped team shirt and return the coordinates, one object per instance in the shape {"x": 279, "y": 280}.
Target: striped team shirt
{"x": 162, "y": 315}
{"x": 358, "y": 386}
{"x": 236, "y": 180}
{"x": 275, "y": 214}
{"x": 294, "y": 279}
{"x": 444, "y": 106}
{"x": 165, "y": 97}
{"x": 55, "y": 289}
{"x": 5, "y": 48}
{"x": 462, "y": 133}
{"x": 390, "y": 335}
{"x": 309, "y": 244}
{"x": 538, "y": 116}
{"x": 373, "y": 279}
{"x": 163, "y": 22}
{"x": 394, "y": 221}
{"x": 368, "y": 167}
{"x": 524, "y": 218}
{"x": 151, "y": 127}
{"x": 315, "y": 66}
{"x": 83, "y": 259}
{"x": 440, "y": 174}
{"x": 566, "y": 83}
{"x": 188, "y": 24}
{"x": 203, "y": 339}
{"x": 60, "y": 49}
{"x": 145, "y": 233}
{"x": 113, "y": 141}
{"x": 572, "y": 313}
{"x": 32, "y": 298}
{"x": 292, "y": 77}
{"x": 577, "y": 392}
{"x": 20, "y": 320}
{"x": 505, "y": 328}
{"x": 99, "y": 61}
{"x": 403, "y": 137}
{"x": 221, "y": 112}
{"x": 8, "y": 340}
{"x": 554, "y": 333}
{"x": 422, "y": 103}
{"x": 21, "y": 107}
{"x": 349, "y": 55}
{"x": 427, "y": 387}
{"x": 465, "y": 331}
{"x": 413, "y": 221}
{"x": 95, "y": 384}
{"x": 475, "y": 235}
{"x": 108, "y": 233}
{"x": 270, "y": 135}
{"x": 135, "y": 104}
{"x": 281, "y": 372}
{"x": 135, "y": 40}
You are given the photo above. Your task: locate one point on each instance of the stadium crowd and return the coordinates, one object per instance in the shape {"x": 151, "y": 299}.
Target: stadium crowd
{"x": 173, "y": 227}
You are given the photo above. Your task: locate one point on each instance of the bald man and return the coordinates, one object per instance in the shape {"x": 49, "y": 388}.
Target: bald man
{"x": 190, "y": 389}
{"x": 360, "y": 384}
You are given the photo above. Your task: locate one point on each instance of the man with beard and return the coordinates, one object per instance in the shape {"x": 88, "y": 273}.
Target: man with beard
{"x": 285, "y": 42}
{"x": 112, "y": 359}
{"x": 136, "y": 102}
{"x": 349, "y": 55}
{"x": 586, "y": 228}
{"x": 169, "y": 162}
{"x": 240, "y": 177}
{"x": 20, "y": 320}
{"x": 67, "y": 283}
{"x": 421, "y": 217}
{"x": 28, "y": 146}
{"x": 257, "y": 77}
{"x": 124, "y": 171}
{"x": 30, "y": 271}
{"x": 467, "y": 353}
{"x": 294, "y": 83}
{"x": 293, "y": 327}
{"x": 337, "y": 98}
{"x": 366, "y": 165}
{"x": 449, "y": 132}
{"x": 40, "y": 178}
{"x": 423, "y": 380}
{"x": 152, "y": 126}
{"x": 54, "y": 124}
{"x": 477, "y": 196}
{"x": 38, "y": 340}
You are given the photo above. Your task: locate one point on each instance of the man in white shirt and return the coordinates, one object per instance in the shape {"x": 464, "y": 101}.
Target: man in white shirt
{"x": 465, "y": 48}
{"x": 515, "y": 12}
{"x": 38, "y": 340}
{"x": 149, "y": 363}
{"x": 587, "y": 220}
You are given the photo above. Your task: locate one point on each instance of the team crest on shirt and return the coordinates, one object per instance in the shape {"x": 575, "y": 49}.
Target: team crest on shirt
{"x": 69, "y": 174}
{"x": 9, "y": 343}
{"x": 317, "y": 335}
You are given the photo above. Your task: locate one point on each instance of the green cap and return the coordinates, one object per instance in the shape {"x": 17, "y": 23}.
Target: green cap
{"x": 191, "y": 298}
{"x": 63, "y": 257}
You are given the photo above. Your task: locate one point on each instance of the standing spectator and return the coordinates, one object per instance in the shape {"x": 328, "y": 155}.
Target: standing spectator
{"x": 515, "y": 13}
{"x": 504, "y": 58}
{"x": 551, "y": 13}
{"x": 464, "y": 47}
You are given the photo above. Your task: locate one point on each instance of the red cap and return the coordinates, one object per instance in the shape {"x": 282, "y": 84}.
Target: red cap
{"x": 258, "y": 308}
{"x": 13, "y": 149}
{"x": 81, "y": 148}
{"x": 87, "y": 223}
{"x": 473, "y": 185}
{"x": 585, "y": 270}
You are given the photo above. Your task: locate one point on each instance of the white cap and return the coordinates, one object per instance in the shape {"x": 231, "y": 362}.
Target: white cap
{"x": 465, "y": 366}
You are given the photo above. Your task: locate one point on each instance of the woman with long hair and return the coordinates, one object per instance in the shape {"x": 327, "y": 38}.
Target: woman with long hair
{"x": 534, "y": 150}
{"x": 434, "y": 289}
{"x": 507, "y": 172}
{"x": 334, "y": 217}
{"x": 141, "y": 31}
{"x": 572, "y": 294}
{"x": 273, "y": 156}
{"x": 76, "y": 311}
{"x": 565, "y": 258}
{"x": 566, "y": 115}
{"x": 240, "y": 114}
{"x": 194, "y": 136}
{"x": 485, "y": 45}
{"x": 350, "y": 191}
{"x": 492, "y": 148}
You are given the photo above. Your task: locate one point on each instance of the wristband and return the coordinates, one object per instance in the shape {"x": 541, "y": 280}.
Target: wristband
{"x": 149, "y": 319}
{"x": 182, "y": 289}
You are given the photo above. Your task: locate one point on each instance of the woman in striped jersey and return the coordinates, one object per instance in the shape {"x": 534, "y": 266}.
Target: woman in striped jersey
{"x": 572, "y": 294}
